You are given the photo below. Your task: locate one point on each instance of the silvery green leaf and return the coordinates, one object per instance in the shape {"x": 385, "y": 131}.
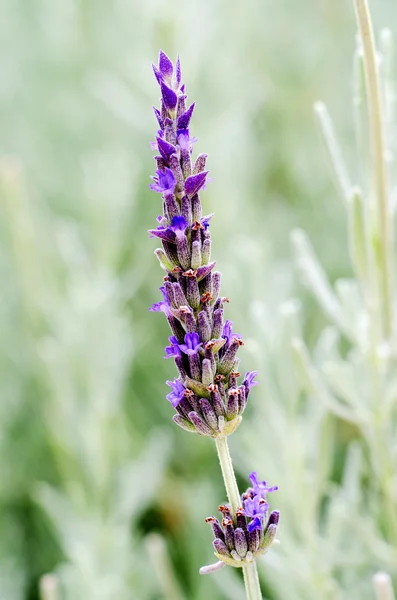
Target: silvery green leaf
{"x": 334, "y": 151}
{"x": 316, "y": 280}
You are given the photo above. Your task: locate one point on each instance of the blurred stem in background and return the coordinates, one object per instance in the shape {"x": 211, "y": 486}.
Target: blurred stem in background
{"x": 383, "y": 587}
{"x": 159, "y": 555}
{"x": 383, "y": 234}
{"x": 49, "y": 587}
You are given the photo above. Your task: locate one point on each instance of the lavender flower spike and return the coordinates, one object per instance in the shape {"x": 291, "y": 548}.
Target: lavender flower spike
{"x": 207, "y": 395}
{"x": 248, "y": 536}
{"x": 205, "y": 361}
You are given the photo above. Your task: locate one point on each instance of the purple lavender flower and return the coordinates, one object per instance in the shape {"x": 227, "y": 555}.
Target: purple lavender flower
{"x": 173, "y": 350}
{"x": 255, "y": 524}
{"x": 177, "y": 392}
{"x": 192, "y": 344}
{"x": 184, "y": 140}
{"x": 205, "y": 221}
{"x": 164, "y": 181}
{"x": 245, "y": 535}
{"x": 170, "y": 232}
{"x": 207, "y": 396}
{"x": 162, "y": 306}
{"x": 255, "y": 506}
{"x": 249, "y": 379}
{"x": 227, "y": 332}
{"x": 178, "y": 225}
{"x": 260, "y": 487}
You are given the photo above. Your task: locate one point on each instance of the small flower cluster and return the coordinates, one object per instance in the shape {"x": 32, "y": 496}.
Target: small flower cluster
{"x": 249, "y": 533}
{"x": 206, "y": 395}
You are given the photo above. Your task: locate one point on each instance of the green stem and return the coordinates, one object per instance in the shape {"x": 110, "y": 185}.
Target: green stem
{"x": 228, "y": 473}
{"x": 378, "y": 162}
{"x": 250, "y": 572}
{"x": 251, "y": 581}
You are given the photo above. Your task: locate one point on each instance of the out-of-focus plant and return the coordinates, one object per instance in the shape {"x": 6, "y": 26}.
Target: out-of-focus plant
{"x": 338, "y": 400}
{"x": 78, "y": 339}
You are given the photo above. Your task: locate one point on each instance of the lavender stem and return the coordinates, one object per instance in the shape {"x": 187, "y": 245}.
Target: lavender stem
{"x": 251, "y": 582}
{"x": 229, "y": 477}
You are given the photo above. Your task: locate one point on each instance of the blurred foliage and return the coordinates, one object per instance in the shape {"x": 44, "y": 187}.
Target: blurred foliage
{"x": 90, "y": 460}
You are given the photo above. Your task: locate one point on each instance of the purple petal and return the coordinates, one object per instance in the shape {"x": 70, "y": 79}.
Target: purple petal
{"x": 255, "y": 506}
{"x": 195, "y": 182}
{"x": 273, "y": 518}
{"x": 255, "y": 524}
{"x": 157, "y": 307}
{"x": 192, "y": 344}
{"x": 185, "y": 141}
{"x": 161, "y": 306}
{"x": 158, "y": 117}
{"x": 260, "y": 487}
{"x": 173, "y": 350}
{"x": 249, "y": 380}
{"x": 165, "y": 148}
{"x": 169, "y": 96}
{"x": 157, "y": 74}
{"x": 205, "y": 221}
{"x": 178, "y": 224}
{"x": 164, "y": 181}
{"x": 177, "y": 392}
{"x": 204, "y": 270}
{"x": 178, "y": 72}
{"x": 184, "y": 119}
{"x": 166, "y": 67}
{"x": 164, "y": 233}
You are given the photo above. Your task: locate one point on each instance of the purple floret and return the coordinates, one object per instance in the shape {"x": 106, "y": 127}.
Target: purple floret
{"x": 161, "y": 306}
{"x": 192, "y": 344}
{"x": 260, "y": 487}
{"x": 173, "y": 350}
{"x": 177, "y": 228}
{"x": 177, "y": 392}
{"x": 227, "y": 332}
{"x": 255, "y": 524}
{"x": 255, "y": 506}
{"x": 164, "y": 182}
{"x": 205, "y": 221}
{"x": 178, "y": 225}
{"x": 249, "y": 379}
{"x": 185, "y": 141}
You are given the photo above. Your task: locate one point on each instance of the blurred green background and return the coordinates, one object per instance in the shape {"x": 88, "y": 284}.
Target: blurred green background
{"x": 90, "y": 461}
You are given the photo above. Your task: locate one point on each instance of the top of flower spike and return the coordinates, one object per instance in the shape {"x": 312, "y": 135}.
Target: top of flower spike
{"x": 169, "y": 78}
{"x": 207, "y": 395}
